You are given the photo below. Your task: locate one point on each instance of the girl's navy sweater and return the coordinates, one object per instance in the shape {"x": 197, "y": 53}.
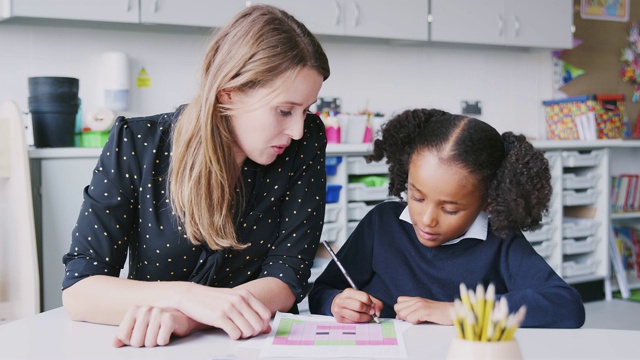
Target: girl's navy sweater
{"x": 385, "y": 259}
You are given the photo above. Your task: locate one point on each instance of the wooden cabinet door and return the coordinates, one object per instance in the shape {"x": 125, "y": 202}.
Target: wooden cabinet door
{"x": 541, "y": 23}
{"x": 90, "y": 10}
{"x": 468, "y": 21}
{"x": 202, "y": 13}
{"x": 404, "y": 19}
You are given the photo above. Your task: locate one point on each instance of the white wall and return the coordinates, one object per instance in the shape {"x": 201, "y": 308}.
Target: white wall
{"x": 511, "y": 83}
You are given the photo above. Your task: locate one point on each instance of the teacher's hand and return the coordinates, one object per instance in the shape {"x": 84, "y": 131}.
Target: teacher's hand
{"x": 152, "y": 326}
{"x": 236, "y": 311}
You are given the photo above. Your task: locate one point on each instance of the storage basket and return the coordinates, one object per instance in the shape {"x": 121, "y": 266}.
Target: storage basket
{"x": 587, "y": 117}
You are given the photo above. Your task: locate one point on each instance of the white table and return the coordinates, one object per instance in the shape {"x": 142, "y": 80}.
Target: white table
{"x": 51, "y": 335}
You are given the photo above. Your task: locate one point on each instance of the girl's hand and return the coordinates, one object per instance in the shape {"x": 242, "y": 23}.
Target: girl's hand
{"x": 152, "y": 326}
{"x": 355, "y": 306}
{"x": 416, "y": 310}
{"x": 236, "y": 311}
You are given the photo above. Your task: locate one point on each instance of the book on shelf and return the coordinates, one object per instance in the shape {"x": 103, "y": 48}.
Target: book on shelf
{"x": 625, "y": 195}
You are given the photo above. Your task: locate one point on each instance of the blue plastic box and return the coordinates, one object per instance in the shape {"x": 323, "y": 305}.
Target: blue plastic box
{"x": 333, "y": 193}
{"x": 331, "y": 164}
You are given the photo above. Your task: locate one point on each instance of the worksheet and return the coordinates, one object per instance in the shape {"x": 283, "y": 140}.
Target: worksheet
{"x": 322, "y": 336}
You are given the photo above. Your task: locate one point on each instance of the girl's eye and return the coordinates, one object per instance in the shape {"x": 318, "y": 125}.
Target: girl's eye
{"x": 414, "y": 198}
{"x": 285, "y": 113}
{"x": 449, "y": 212}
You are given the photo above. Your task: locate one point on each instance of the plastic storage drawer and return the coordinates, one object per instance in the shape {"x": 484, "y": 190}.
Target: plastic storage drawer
{"x": 544, "y": 248}
{"x": 359, "y": 166}
{"x": 579, "y": 267}
{"x": 333, "y": 193}
{"x": 331, "y": 212}
{"x": 578, "y": 159}
{"x": 577, "y": 228}
{"x": 575, "y": 197}
{"x": 352, "y": 225}
{"x": 579, "y": 246}
{"x": 578, "y": 181}
{"x": 357, "y": 210}
{"x": 361, "y": 192}
{"x": 541, "y": 234}
{"x": 330, "y": 232}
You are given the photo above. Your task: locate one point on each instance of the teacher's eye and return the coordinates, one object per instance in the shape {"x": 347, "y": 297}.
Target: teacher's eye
{"x": 284, "y": 113}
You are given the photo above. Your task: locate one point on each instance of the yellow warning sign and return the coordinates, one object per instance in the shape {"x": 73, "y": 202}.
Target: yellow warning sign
{"x": 143, "y": 80}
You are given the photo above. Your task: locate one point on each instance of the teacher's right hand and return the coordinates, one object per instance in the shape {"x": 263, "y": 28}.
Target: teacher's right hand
{"x": 236, "y": 311}
{"x": 355, "y": 306}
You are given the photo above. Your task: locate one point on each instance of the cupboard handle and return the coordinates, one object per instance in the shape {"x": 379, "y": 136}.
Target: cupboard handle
{"x": 128, "y": 5}
{"x": 154, "y": 9}
{"x": 338, "y": 13}
{"x": 356, "y": 10}
{"x": 500, "y": 25}
{"x": 516, "y": 26}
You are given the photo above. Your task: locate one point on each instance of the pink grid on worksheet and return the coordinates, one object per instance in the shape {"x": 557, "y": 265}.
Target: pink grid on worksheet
{"x": 328, "y": 333}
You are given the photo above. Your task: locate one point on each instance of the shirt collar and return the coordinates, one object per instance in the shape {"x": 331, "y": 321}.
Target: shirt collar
{"x": 477, "y": 230}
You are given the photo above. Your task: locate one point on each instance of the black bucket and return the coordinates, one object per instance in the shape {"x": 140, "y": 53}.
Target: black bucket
{"x": 53, "y": 129}
{"x": 53, "y": 103}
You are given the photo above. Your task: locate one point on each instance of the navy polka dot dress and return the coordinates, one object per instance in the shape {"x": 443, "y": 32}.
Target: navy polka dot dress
{"x": 126, "y": 210}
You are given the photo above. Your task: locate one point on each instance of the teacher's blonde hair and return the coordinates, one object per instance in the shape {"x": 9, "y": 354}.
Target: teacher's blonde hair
{"x": 261, "y": 46}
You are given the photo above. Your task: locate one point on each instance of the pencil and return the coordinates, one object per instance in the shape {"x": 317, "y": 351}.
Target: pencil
{"x": 490, "y": 298}
{"x": 345, "y": 273}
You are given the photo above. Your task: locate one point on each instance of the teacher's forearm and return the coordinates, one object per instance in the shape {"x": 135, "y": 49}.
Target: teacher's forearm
{"x": 105, "y": 299}
{"x": 274, "y": 293}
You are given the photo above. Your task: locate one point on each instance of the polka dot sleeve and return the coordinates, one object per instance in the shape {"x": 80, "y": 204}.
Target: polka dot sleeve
{"x": 108, "y": 213}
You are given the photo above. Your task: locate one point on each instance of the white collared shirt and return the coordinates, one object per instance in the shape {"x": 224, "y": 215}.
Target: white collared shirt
{"x": 477, "y": 230}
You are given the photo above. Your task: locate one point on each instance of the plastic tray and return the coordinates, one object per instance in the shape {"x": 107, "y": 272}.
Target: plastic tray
{"x": 333, "y": 193}
{"x": 541, "y": 234}
{"x": 361, "y": 192}
{"x": 331, "y": 212}
{"x": 359, "y": 166}
{"x": 579, "y": 181}
{"x": 319, "y": 264}
{"x": 544, "y": 248}
{"x": 576, "y": 197}
{"x": 581, "y": 159}
{"x": 577, "y": 228}
{"x": 351, "y": 226}
{"x": 330, "y": 232}
{"x": 331, "y": 164}
{"x": 357, "y": 210}
{"x": 580, "y": 246}
{"x": 579, "y": 267}
{"x": 552, "y": 157}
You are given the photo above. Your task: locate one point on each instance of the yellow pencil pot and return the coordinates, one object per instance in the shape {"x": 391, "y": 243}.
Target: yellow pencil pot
{"x": 482, "y": 350}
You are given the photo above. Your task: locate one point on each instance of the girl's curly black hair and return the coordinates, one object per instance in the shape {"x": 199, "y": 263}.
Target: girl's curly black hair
{"x": 512, "y": 175}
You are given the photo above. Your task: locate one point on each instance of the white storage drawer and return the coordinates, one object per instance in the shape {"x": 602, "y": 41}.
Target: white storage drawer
{"x": 577, "y": 228}
{"x": 331, "y": 212}
{"x": 361, "y": 192}
{"x": 581, "y": 159}
{"x": 579, "y": 246}
{"x": 579, "y": 267}
{"x": 541, "y": 234}
{"x": 330, "y": 232}
{"x": 577, "y": 197}
{"x": 357, "y": 210}
{"x": 352, "y": 225}
{"x": 579, "y": 181}
{"x": 359, "y": 166}
{"x": 544, "y": 248}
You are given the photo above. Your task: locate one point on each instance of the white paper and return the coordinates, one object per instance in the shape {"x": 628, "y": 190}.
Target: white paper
{"x": 312, "y": 325}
